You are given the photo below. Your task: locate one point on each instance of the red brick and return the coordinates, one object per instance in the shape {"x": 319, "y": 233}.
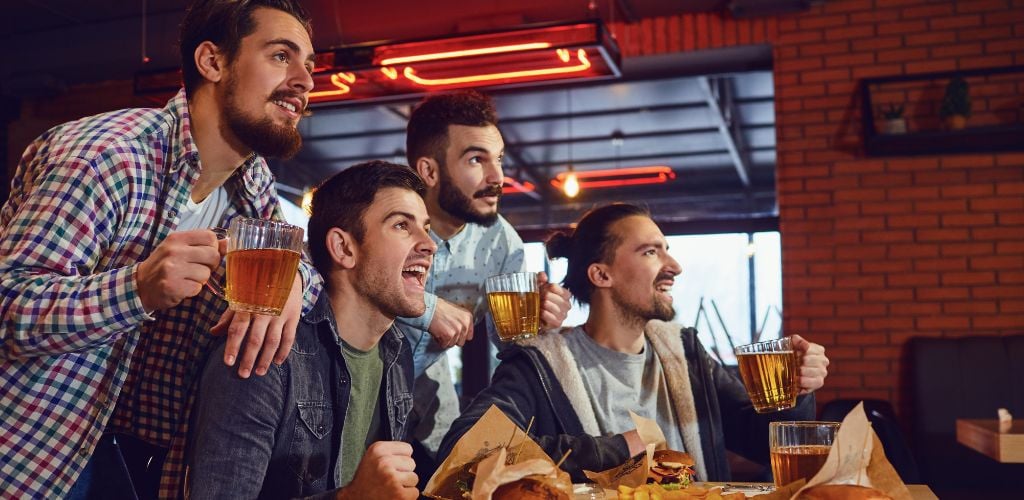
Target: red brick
{"x": 887, "y": 266}
{"x": 1011, "y": 306}
{"x": 901, "y": 27}
{"x": 958, "y": 161}
{"x": 835, "y": 325}
{"x": 799, "y": 65}
{"x": 942, "y": 264}
{"x": 800, "y": 37}
{"x": 861, "y": 310}
{"x": 913, "y": 193}
{"x": 1010, "y": 188}
{"x": 858, "y": 167}
{"x": 881, "y": 381}
{"x": 895, "y": 295}
{"x": 1011, "y": 219}
{"x": 807, "y": 23}
{"x": 931, "y": 65}
{"x": 999, "y": 204}
{"x": 887, "y": 353}
{"x": 917, "y": 250}
{"x": 887, "y": 236}
{"x": 859, "y": 195}
{"x": 970, "y": 307}
{"x": 876, "y": 70}
{"x": 1013, "y": 321}
{"x": 927, "y": 11}
{"x": 997, "y": 46}
{"x": 792, "y": 92}
{"x": 913, "y": 221}
{"x": 940, "y": 177}
{"x": 840, "y": 353}
{"x": 836, "y": 296}
{"x": 994, "y": 233}
{"x": 844, "y": 381}
{"x": 943, "y": 293}
{"x": 947, "y": 234}
{"x": 902, "y": 55}
{"x": 850, "y": 60}
{"x": 912, "y": 279}
{"x": 967, "y": 190}
{"x": 917, "y": 309}
{"x": 849, "y": 6}
{"x": 985, "y": 33}
{"x": 967, "y": 249}
{"x": 825, "y": 75}
{"x": 997, "y": 263}
{"x": 861, "y": 339}
{"x": 942, "y": 23}
{"x": 971, "y": 6}
{"x": 887, "y": 323}
{"x": 986, "y": 62}
{"x": 940, "y": 206}
{"x": 850, "y": 32}
{"x": 824, "y": 48}
{"x": 930, "y": 38}
{"x": 1000, "y": 174}
{"x": 1010, "y": 247}
{"x": 1000, "y": 291}
{"x": 960, "y": 220}
{"x": 886, "y": 179}
{"x": 1004, "y": 17}
{"x": 832, "y": 268}
{"x": 972, "y": 49}
{"x": 880, "y": 43}
{"x": 944, "y": 322}
{"x": 860, "y": 252}
{"x": 913, "y": 164}
{"x": 969, "y": 278}
{"x": 860, "y": 282}
{"x": 829, "y": 184}
{"x": 809, "y": 253}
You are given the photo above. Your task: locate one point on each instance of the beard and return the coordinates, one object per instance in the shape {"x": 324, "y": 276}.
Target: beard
{"x": 656, "y": 309}
{"x": 460, "y": 206}
{"x": 263, "y": 136}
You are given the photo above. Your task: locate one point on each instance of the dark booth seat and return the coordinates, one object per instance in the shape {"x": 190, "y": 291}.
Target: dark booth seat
{"x": 967, "y": 377}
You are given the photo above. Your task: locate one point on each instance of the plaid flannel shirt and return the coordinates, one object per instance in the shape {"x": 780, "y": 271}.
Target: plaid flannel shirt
{"x": 89, "y": 201}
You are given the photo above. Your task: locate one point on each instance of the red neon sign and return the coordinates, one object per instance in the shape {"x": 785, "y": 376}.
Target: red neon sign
{"x": 513, "y": 186}
{"x": 618, "y": 177}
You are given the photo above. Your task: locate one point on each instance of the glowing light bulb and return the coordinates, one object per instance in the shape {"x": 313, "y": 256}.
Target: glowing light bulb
{"x": 572, "y": 185}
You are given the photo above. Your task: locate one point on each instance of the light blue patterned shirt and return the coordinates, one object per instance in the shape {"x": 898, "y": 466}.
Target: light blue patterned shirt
{"x": 460, "y": 267}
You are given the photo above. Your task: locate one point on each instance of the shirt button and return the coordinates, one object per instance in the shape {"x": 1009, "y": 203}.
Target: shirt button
{"x": 83, "y": 452}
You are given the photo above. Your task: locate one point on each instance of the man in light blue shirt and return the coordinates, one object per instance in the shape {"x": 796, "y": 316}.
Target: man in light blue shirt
{"x": 454, "y": 145}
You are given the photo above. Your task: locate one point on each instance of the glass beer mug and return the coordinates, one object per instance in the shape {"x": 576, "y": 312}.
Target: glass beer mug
{"x": 262, "y": 259}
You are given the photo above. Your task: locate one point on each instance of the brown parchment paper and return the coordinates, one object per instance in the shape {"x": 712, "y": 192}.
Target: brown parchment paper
{"x": 493, "y": 432}
{"x": 856, "y": 457}
{"x": 633, "y": 472}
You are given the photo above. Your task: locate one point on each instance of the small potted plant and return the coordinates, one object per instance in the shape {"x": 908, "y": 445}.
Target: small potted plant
{"x": 956, "y": 104}
{"x": 894, "y": 122}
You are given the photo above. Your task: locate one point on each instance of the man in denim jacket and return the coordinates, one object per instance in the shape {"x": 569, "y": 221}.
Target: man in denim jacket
{"x": 329, "y": 420}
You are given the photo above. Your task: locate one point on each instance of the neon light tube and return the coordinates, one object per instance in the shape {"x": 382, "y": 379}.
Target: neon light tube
{"x": 581, "y": 54}
{"x": 501, "y": 49}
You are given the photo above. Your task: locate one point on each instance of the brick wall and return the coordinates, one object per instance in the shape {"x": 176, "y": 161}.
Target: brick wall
{"x": 878, "y": 250}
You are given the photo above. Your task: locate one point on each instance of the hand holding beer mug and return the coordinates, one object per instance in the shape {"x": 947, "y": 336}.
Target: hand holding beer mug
{"x": 263, "y": 257}
{"x": 770, "y": 371}
{"x": 515, "y": 305}
{"x": 799, "y": 449}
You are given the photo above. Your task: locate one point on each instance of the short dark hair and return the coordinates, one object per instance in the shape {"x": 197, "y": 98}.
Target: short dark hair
{"x": 427, "y": 133}
{"x": 225, "y": 23}
{"x": 342, "y": 200}
{"x": 592, "y": 241}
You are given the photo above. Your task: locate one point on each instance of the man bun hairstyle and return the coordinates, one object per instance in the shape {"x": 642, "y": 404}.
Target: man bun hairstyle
{"x": 591, "y": 241}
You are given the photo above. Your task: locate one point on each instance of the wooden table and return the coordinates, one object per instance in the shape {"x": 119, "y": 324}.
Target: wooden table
{"x": 917, "y": 491}
{"x": 984, "y": 437}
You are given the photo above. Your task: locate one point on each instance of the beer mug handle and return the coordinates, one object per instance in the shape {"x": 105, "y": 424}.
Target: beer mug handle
{"x": 217, "y": 288}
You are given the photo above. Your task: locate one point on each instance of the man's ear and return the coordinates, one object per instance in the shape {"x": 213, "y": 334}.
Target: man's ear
{"x": 210, "y": 61}
{"x": 598, "y": 275}
{"x": 342, "y": 248}
{"x": 427, "y": 168}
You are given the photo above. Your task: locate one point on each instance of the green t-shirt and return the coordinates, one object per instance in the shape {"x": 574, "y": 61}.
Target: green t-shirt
{"x": 362, "y": 420}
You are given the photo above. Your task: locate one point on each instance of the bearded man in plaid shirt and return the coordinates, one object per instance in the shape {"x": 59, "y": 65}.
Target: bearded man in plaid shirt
{"x": 105, "y": 247}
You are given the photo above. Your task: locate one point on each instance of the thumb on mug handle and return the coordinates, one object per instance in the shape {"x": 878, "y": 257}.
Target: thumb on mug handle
{"x": 222, "y": 238}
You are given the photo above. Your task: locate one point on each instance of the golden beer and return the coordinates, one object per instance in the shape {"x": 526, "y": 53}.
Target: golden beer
{"x": 771, "y": 379}
{"x": 516, "y": 314}
{"x": 790, "y": 463}
{"x": 260, "y": 279}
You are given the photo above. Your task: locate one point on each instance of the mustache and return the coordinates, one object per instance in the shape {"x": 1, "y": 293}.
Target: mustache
{"x": 278, "y": 95}
{"x": 665, "y": 276}
{"x": 492, "y": 190}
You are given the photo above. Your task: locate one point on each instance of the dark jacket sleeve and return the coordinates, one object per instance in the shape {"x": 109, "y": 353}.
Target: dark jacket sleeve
{"x": 746, "y": 431}
{"x": 517, "y": 390}
{"x": 234, "y": 430}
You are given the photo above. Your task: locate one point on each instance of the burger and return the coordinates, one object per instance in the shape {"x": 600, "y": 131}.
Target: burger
{"x": 670, "y": 467}
{"x": 529, "y": 488}
{"x": 842, "y": 492}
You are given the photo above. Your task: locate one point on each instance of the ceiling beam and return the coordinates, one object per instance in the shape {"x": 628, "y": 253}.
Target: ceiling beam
{"x": 722, "y": 115}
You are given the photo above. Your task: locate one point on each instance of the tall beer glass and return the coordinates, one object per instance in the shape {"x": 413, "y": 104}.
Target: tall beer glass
{"x": 770, "y": 372}
{"x": 263, "y": 257}
{"x": 515, "y": 304}
{"x": 799, "y": 449}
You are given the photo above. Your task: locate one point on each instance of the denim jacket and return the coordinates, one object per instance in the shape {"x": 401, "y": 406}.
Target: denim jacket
{"x": 278, "y": 436}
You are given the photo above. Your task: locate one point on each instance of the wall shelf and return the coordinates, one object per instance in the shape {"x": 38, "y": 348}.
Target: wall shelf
{"x": 1000, "y": 126}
